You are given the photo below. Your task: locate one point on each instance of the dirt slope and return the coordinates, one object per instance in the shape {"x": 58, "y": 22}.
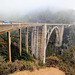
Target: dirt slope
{"x": 46, "y": 71}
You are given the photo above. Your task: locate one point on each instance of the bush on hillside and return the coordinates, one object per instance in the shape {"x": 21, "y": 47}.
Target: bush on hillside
{"x": 2, "y": 59}
{"x": 69, "y": 70}
{"x": 6, "y": 68}
{"x": 51, "y": 61}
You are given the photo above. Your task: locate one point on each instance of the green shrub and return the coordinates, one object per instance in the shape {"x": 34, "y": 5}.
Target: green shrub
{"x": 6, "y": 68}
{"x": 2, "y": 59}
{"x": 66, "y": 68}
{"x": 40, "y": 63}
{"x": 74, "y": 66}
{"x": 34, "y": 56}
{"x": 52, "y": 61}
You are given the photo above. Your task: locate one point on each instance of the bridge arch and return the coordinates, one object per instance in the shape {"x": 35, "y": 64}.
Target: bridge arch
{"x": 48, "y": 36}
{"x": 57, "y": 35}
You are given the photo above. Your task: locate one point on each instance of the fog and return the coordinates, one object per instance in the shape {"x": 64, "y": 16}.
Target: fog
{"x": 23, "y": 7}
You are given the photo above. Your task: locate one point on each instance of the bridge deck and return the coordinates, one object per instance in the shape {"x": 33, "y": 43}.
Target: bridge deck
{"x": 10, "y": 27}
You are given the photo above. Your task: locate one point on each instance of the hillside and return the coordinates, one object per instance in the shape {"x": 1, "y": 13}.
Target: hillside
{"x": 48, "y": 16}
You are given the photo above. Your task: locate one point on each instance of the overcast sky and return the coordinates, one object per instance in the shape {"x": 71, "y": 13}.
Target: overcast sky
{"x": 25, "y": 6}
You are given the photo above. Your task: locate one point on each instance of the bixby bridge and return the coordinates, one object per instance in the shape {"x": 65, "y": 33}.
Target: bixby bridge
{"x": 40, "y": 35}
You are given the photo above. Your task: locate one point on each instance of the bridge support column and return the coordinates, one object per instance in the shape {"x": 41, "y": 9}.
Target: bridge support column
{"x": 61, "y": 34}
{"x": 48, "y": 38}
{"x": 9, "y": 45}
{"x": 27, "y": 40}
{"x": 20, "y": 41}
{"x": 37, "y": 43}
{"x": 57, "y": 38}
{"x": 43, "y": 44}
{"x": 32, "y": 43}
{"x": 61, "y": 30}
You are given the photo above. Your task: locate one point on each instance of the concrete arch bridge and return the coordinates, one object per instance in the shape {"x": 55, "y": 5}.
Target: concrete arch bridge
{"x": 40, "y": 35}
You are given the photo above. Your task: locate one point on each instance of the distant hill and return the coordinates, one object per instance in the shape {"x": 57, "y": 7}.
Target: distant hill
{"x": 46, "y": 16}
{"x": 67, "y": 16}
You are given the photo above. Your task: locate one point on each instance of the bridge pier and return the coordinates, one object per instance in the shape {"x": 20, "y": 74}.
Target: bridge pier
{"x": 32, "y": 43}
{"x": 37, "y": 43}
{"x": 43, "y": 44}
{"x": 26, "y": 40}
{"x": 45, "y": 32}
{"x": 61, "y": 34}
{"x": 57, "y": 38}
{"x": 9, "y": 45}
